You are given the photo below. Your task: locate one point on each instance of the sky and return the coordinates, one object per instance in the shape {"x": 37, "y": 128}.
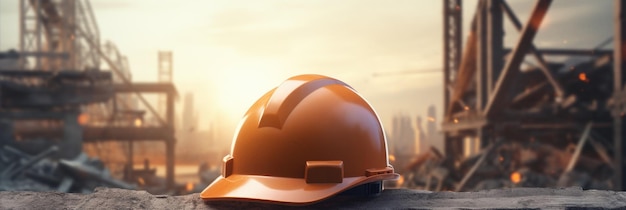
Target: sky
{"x": 230, "y": 52}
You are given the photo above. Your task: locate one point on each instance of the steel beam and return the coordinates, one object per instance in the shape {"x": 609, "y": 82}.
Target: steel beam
{"x": 452, "y": 33}
{"x": 170, "y": 142}
{"x": 65, "y": 74}
{"x": 467, "y": 67}
{"x": 568, "y": 52}
{"x": 31, "y": 115}
{"x": 495, "y": 43}
{"x": 543, "y": 66}
{"x": 619, "y": 65}
{"x": 499, "y": 99}
{"x": 165, "y": 88}
{"x": 101, "y": 134}
{"x": 464, "y": 124}
{"x": 482, "y": 44}
{"x": 121, "y": 75}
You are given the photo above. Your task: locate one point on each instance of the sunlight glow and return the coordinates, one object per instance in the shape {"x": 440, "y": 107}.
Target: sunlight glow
{"x": 240, "y": 85}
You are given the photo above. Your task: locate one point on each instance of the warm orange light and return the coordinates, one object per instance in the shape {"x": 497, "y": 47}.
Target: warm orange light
{"x": 456, "y": 120}
{"x": 83, "y": 119}
{"x": 141, "y": 181}
{"x": 431, "y": 119}
{"x": 400, "y": 181}
{"x": 516, "y": 177}
{"x": 466, "y": 108}
{"x": 583, "y": 77}
{"x": 392, "y": 158}
{"x": 138, "y": 122}
{"x": 189, "y": 186}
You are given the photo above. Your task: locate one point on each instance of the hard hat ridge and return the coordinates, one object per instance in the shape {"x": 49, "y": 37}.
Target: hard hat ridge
{"x": 289, "y": 94}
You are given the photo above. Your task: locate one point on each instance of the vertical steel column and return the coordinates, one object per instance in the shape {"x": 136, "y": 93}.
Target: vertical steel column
{"x": 452, "y": 33}
{"x": 482, "y": 49}
{"x": 69, "y": 38}
{"x": 131, "y": 159}
{"x": 170, "y": 143}
{"x": 165, "y": 75}
{"x": 495, "y": 44}
{"x": 30, "y": 31}
{"x": 500, "y": 99}
{"x": 619, "y": 62}
{"x": 22, "y": 41}
{"x": 481, "y": 55}
{"x": 36, "y": 8}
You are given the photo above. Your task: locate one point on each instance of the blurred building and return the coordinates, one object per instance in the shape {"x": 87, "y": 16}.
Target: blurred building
{"x": 404, "y": 140}
{"x": 421, "y": 142}
{"x": 433, "y": 136}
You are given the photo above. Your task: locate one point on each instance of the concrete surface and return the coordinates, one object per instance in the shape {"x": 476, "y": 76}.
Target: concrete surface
{"x": 518, "y": 198}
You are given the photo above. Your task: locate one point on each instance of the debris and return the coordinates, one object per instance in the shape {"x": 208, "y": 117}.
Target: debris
{"x": 513, "y": 164}
{"x": 43, "y": 173}
{"x": 30, "y": 162}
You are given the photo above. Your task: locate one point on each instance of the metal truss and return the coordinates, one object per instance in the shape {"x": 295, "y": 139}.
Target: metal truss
{"x": 490, "y": 95}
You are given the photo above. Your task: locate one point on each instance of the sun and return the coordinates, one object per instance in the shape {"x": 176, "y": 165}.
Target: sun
{"x": 240, "y": 85}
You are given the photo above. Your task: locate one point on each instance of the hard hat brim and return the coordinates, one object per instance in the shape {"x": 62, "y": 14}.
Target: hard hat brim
{"x": 281, "y": 190}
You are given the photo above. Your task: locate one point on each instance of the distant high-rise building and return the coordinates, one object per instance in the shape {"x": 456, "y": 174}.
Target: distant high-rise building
{"x": 403, "y": 136}
{"x": 433, "y": 137}
{"x": 403, "y": 141}
{"x": 420, "y": 141}
{"x": 189, "y": 118}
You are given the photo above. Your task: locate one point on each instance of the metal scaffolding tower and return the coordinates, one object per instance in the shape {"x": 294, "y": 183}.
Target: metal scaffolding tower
{"x": 489, "y": 95}
{"x": 48, "y": 35}
{"x": 165, "y": 76}
{"x": 59, "y": 40}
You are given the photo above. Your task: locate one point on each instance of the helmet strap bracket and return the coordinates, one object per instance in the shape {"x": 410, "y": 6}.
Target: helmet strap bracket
{"x": 377, "y": 171}
{"x": 227, "y": 166}
{"x": 324, "y": 171}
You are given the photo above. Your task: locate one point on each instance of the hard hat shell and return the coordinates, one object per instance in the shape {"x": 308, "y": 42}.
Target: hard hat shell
{"x": 307, "y": 139}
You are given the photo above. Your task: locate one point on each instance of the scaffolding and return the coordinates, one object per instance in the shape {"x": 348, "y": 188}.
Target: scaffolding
{"x": 489, "y": 93}
{"x": 59, "y": 42}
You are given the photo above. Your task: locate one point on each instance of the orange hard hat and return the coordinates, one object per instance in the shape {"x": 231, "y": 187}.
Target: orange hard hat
{"x": 308, "y": 139}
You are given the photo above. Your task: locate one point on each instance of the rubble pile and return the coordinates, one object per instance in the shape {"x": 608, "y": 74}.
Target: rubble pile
{"x": 511, "y": 164}
{"x": 20, "y": 171}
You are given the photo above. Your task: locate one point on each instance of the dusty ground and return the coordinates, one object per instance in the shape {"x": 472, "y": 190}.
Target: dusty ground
{"x": 108, "y": 198}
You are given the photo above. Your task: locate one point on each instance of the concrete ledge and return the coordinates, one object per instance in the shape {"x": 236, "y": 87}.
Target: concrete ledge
{"x": 518, "y": 198}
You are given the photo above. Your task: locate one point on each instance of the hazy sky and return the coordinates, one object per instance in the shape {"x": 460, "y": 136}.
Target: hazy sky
{"x": 231, "y": 52}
